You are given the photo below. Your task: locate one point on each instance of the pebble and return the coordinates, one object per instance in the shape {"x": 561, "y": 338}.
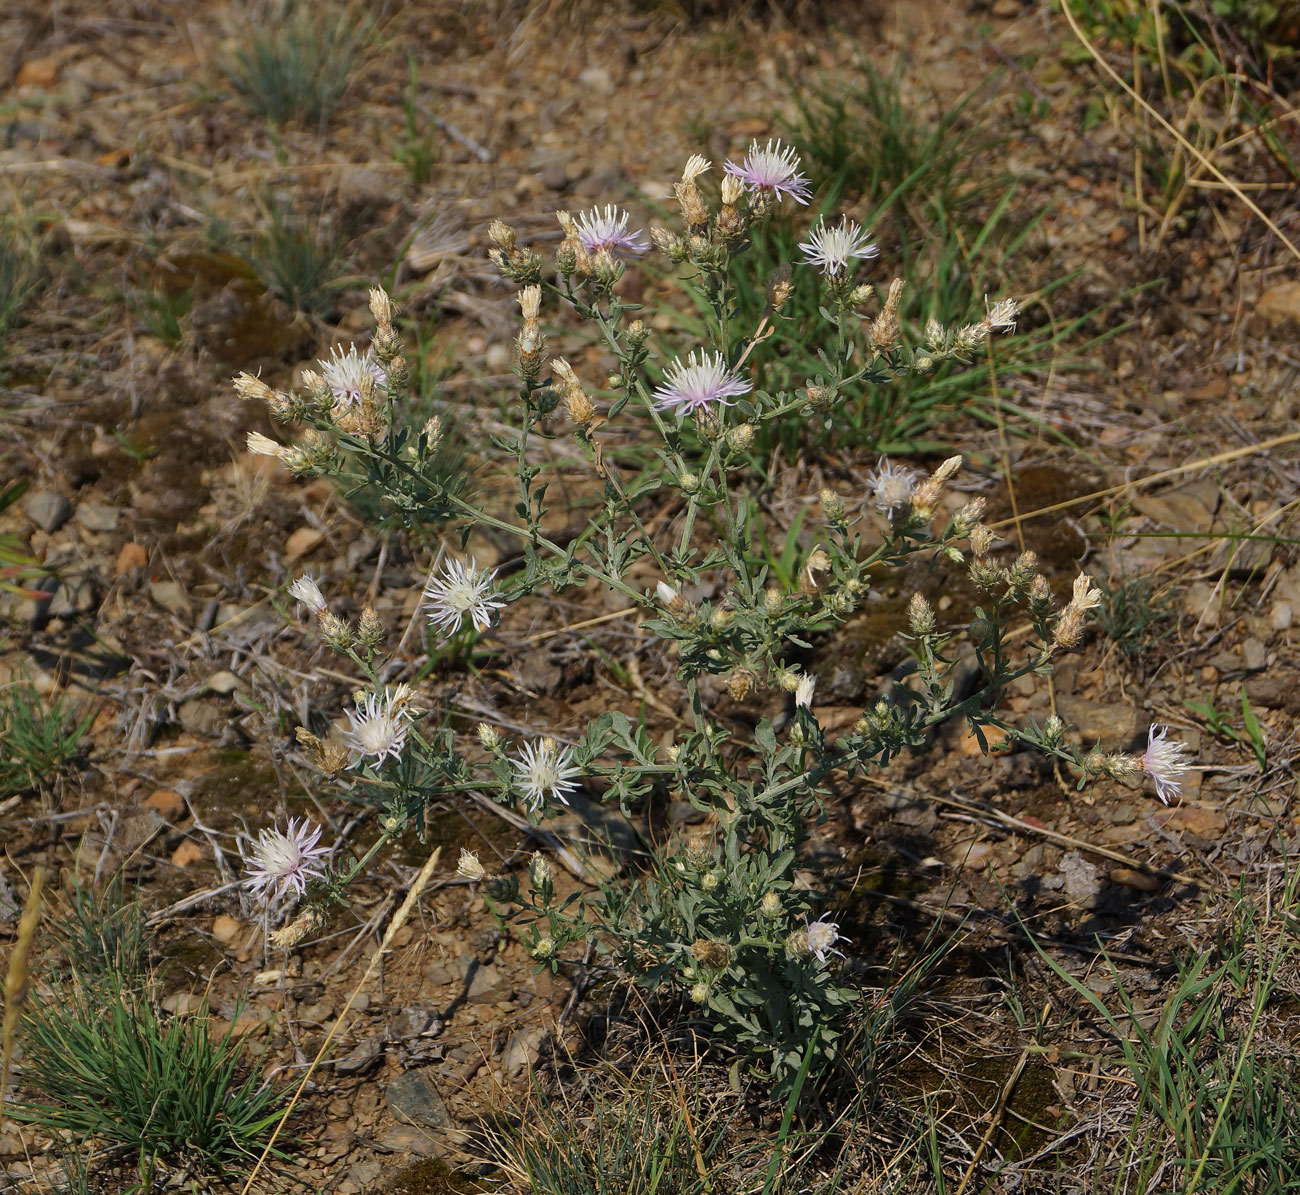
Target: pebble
{"x": 224, "y": 683}
{"x": 1111, "y": 722}
{"x": 1254, "y": 655}
{"x": 225, "y": 928}
{"x": 1280, "y": 615}
{"x": 131, "y": 556}
{"x": 167, "y": 803}
{"x": 95, "y": 516}
{"x": 301, "y": 542}
{"x": 1130, "y": 878}
{"x": 171, "y": 597}
{"x": 362, "y": 1059}
{"x": 413, "y": 1098}
{"x": 200, "y": 718}
{"x": 186, "y": 854}
{"x": 523, "y": 1050}
{"x": 48, "y": 509}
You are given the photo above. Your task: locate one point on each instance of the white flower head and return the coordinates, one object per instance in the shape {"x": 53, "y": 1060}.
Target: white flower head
{"x": 699, "y": 382}
{"x": 343, "y": 374}
{"x": 891, "y": 488}
{"x": 829, "y": 249}
{"x": 284, "y": 862}
{"x": 607, "y": 231}
{"x": 822, "y": 936}
{"x": 803, "y": 691}
{"x": 461, "y": 590}
{"x": 665, "y": 593}
{"x": 469, "y": 867}
{"x": 773, "y": 170}
{"x": 1163, "y": 761}
{"x": 378, "y": 727}
{"x": 696, "y": 165}
{"x": 545, "y": 769}
{"x": 308, "y": 593}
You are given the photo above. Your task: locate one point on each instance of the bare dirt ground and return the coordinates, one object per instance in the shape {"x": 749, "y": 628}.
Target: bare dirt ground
{"x": 125, "y": 149}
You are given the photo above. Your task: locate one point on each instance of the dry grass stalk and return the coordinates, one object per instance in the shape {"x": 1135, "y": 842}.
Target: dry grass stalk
{"x": 16, "y": 981}
{"x": 399, "y": 919}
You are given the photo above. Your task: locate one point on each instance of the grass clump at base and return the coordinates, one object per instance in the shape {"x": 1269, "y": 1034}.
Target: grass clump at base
{"x": 38, "y": 741}
{"x": 298, "y": 60}
{"x": 103, "y": 1064}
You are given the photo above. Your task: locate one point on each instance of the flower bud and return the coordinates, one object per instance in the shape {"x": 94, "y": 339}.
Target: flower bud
{"x": 370, "y": 629}
{"x": 700, "y": 993}
{"x": 832, "y": 506}
{"x": 540, "y": 874}
{"x": 488, "y": 736}
{"x": 544, "y": 948}
{"x": 920, "y": 615}
{"x": 710, "y": 880}
{"x": 771, "y": 905}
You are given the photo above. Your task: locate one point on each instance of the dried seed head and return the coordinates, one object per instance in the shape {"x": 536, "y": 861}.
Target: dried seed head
{"x": 709, "y": 952}
{"x": 981, "y": 539}
{"x": 469, "y": 867}
{"x": 503, "y": 236}
{"x": 739, "y": 683}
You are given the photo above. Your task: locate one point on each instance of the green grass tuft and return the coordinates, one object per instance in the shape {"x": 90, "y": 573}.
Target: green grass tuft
{"x": 38, "y": 742}
{"x": 296, "y": 65}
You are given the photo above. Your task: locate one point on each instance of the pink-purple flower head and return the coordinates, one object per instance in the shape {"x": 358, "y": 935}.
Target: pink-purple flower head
{"x": 822, "y": 936}
{"x": 829, "y": 249}
{"x": 606, "y": 231}
{"x": 1163, "y": 761}
{"x": 343, "y": 374}
{"x": 699, "y": 382}
{"x": 774, "y": 171}
{"x": 283, "y": 862}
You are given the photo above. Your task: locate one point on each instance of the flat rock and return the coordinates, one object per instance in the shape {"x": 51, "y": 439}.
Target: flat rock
{"x": 171, "y": 596}
{"x": 48, "y": 509}
{"x": 1111, "y": 722}
{"x": 95, "y": 516}
{"x": 413, "y": 1099}
{"x": 362, "y": 1059}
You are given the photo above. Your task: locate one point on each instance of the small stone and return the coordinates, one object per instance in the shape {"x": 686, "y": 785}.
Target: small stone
{"x": 523, "y": 1050}
{"x": 320, "y": 1012}
{"x": 181, "y": 1003}
{"x": 1280, "y": 615}
{"x": 413, "y": 1099}
{"x": 1082, "y": 884}
{"x": 95, "y": 516}
{"x": 301, "y": 542}
{"x": 48, "y": 509}
{"x": 994, "y": 736}
{"x": 487, "y": 985}
{"x": 1280, "y": 303}
{"x": 497, "y": 357}
{"x": 1254, "y": 655}
{"x": 167, "y": 803}
{"x": 170, "y": 595}
{"x": 597, "y": 79}
{"x": 363, "y": 1059}
{"x": 131, "y": 556}
{"x": 1139, "y": 880}
{"x": 224, "y": 683}
{"x": 200, "y": 718}
{"x": 37, "y": 72}
{"x": 187, "y": 854}
{"x": 1111, "y": 722}
{"x": 225, "y": 928}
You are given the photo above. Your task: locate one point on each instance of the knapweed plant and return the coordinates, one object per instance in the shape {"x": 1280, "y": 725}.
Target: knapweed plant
{"x": 720, "y": 917}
